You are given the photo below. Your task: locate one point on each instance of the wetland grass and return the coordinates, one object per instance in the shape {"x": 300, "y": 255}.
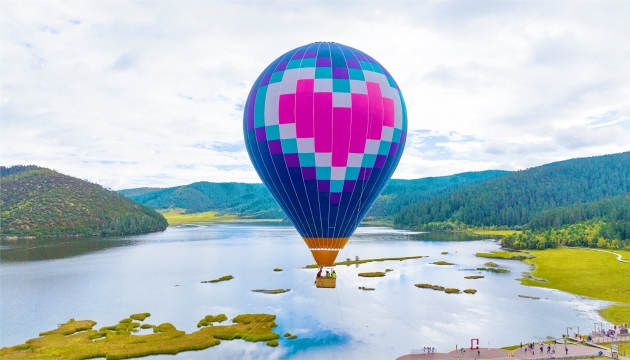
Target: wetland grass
{"x": 474, "y": 277}
{"x": 585, "y": 272}
{"x": 222, "y": 278}
{"x": 176, "y": 217}
{"x": 388, "y": 270}
{"x": 372, "y": 274}
{"x": 75, "y": 339}
{"x": 470, "y": 291}
{"x": 271, "y": 292}
{"x": 209, "y": 319}
{"x": 290, "y": 336}
{"x": 444, "y": 252}
{"x": 495, "y": 232}
{"x": 508, "y": 255}
{"x": 277, "y": 269}
{"x": 140, "y": 316}
{"x": 349, "y": 262}
{"x": 442, "y": 262}
{"x": 438, "y": 288}
{"x": 494, "y": 270}
{"x": 491, "y": 264}
{"x": 429, "y": 286}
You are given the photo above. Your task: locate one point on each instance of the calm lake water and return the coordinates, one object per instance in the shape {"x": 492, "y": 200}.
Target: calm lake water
{"x": 108, "y": 279}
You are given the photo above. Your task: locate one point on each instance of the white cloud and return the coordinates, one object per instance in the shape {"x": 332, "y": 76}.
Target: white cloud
{"x": 151, "y": 93}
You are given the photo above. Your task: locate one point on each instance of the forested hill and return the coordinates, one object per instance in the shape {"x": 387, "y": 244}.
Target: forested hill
{"x": 400, "y": 193}
{"x": 603, "y": 224}
{"x": 245, "y": 200}
{"x": 516, "y": 198}
{"x": 255, "y": 201}
{"x": 41, "y": 202}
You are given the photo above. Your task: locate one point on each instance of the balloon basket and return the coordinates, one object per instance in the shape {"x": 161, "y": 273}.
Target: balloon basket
{"x": 326, "y": 282}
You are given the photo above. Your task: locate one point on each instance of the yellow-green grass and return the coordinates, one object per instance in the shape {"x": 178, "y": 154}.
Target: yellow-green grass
{"x": 442, "y": 288}
{"x": 491, "y": 263}
{"x": 474, "y": 277}
{"x": 508, "y": 255}
{"x": 586, "y": 272}
{"x": 175, "y": 217}
{"x": 441, "y": 262}
{"x": 444, "y": 252}
{"x": 495, "y": 232}
{"x": 75, "y": 340}
{"x": 494, "y": 270}
{"x": 209, "y": 319}
{"x": 372, "y": 274}
{"x": 140, "y": 316}
{"x": 352, "y": 262}
{"x": 272, "y": 292}
{"x": 470, "y": 291}
{"x": 222, "y": 278}
{"x": 290, "y": 336}
{"x": 277, "y": 269}
{"x": 429, "y": 286}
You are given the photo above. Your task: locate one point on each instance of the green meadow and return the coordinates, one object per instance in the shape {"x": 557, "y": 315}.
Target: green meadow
{"x": 585, "y": 272}
{"x": 177, "y": 217}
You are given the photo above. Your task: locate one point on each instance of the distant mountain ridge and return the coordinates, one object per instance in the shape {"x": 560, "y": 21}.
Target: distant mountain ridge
{"x": 255, "y": 201}
{"x": 41, "y": 202}
{"x": 517, "y": 198}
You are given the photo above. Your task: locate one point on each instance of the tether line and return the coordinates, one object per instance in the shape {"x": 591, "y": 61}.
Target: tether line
{"x": 388, "y": 309}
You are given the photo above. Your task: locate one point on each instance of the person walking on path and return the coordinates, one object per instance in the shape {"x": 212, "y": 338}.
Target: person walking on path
{"x": 566, "y": 350}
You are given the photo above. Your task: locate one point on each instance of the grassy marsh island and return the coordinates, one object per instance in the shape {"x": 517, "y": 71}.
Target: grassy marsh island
{"x": 452, "y": 291}
{"x": 474, "y": 277}
{"x": 508, "y": 255}
{"x": 209, "y": 319}
{"x": 429, "y": 286}
{"x": 272, "y": 292}
{"x": 492, "y": 264}
{"x": 494, "y": 270}
{"x": 290, "y": 336}
{"x": 222, "y": 278}
{"x": 140, "y": 316}
{"x": 470, "y": 291}
{"x": 75, "y": 339}
{"x": 444, "y": 252}
{"x": 349, "y": 262}
{"x": 586, "y": 272}
{"x": 277, "y": 269}
{"x": 442, "y": 262}
{"x": 372, "y": 274}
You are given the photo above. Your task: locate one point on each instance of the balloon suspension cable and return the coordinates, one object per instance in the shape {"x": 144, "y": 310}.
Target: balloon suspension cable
{"x": 276, "y": 302}
{"x": 388, "y": 309}
{"x": 342, "y": 319}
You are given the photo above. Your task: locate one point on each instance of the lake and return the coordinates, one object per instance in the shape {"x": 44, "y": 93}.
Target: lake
{"x": 45, "y": 283}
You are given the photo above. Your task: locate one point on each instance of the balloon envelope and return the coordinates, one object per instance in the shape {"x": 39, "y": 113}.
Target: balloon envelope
{"x": 325, "y": 126}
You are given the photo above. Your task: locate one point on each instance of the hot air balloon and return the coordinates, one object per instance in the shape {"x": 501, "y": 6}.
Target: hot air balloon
{"x": 325, "y": 126}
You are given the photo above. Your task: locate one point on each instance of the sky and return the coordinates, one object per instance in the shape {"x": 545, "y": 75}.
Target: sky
{"x": 151, "y": 93}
